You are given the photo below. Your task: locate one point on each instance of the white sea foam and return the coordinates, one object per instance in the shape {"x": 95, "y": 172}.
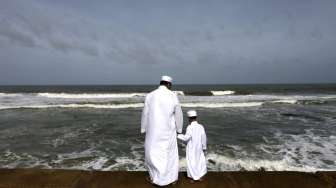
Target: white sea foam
{"x": 134, "y": 162}
{"x": 305, "y": 152}
{"x": 84, "y": 160}
{"x": 221, "y": 105}
{"x": 134, "y": 105}
{"x": 224, "y": 163}
{"x": 220, "y": 93}
{"x": 41, "y": 100}
{"x": 128, "y": 163}
{"x": 183, "y": 164}
{"x": 90, "y": 95}
{"x": 96, "y": 164}
{"x": 179, "y": 93}
{"x": 310, "y": 148}
{"x": 22, "y": 160}
{"x": 215, "y": 162}
{"x": 288, "y": 101}
{"x": 98, "y": 106}
{"x": 9, "y": 94}
{"x": 329, "y": 97}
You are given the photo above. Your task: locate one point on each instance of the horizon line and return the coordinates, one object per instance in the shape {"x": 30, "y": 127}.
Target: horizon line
{"x": 302, "y": 83}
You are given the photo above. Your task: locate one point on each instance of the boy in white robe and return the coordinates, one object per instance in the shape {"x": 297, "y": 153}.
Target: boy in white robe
{"x": 196, "y": 142}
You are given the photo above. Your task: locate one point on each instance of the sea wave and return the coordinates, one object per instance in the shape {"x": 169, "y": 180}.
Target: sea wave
{"x": 220, "y": 93}
{"x": 221, "y": 105}
{"x": 128, "y": 163}
{"x": 10, "y": 159}
{"x": 298, "y": 153}
{"x": 316, "y": 102}
{"x": 179, "y": 93}
{"x": 96, "y": 95}
{"x": 9, "y": 94}
{"x": 102, "y": 106}
{"x": 134, "y": 105}
{"x": 309, "y": 148}
{"x": 90, "y": 95}
{"x": 103, "y": 101}
{"x": 286, "y": 101}
{"x": 218, "y": 162}
{"x": 90, "y": 159}
{"x": 226, "y": 94}
{"x": 84, "y": 160}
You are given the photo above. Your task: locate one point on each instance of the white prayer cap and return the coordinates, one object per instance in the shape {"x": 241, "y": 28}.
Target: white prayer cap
{"x": 166, "y": 78}
{"x": 192, "y": 113}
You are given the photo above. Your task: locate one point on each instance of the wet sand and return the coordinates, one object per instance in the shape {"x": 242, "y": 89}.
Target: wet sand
{"x": 37, "y": 178}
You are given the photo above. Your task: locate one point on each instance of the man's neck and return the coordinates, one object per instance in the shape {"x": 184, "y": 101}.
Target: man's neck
{"x": 163, "y": 86}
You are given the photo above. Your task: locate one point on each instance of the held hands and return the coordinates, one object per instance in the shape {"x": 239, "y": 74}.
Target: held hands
{"x": 180, "y": 136}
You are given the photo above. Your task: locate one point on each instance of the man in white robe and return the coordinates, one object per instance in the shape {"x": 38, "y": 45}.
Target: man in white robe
{"x": 161, "y": 118}
{"x": 196, "y": 142}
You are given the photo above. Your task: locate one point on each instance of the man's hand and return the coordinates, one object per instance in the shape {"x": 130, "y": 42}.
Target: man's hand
{"x": 180, "y": 136}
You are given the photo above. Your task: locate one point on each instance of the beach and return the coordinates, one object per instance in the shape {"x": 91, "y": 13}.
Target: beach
{"x": 57, "y": 178}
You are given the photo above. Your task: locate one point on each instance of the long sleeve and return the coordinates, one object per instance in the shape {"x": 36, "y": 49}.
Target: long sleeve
{"x": 178, "y": 117}
{"x": 204, "y": 140}
{"x": 185, "y": 137}
{"x": 144, "y": 117}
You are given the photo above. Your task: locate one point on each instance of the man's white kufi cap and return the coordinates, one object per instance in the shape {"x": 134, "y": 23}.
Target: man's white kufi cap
{"x": 167, "y": 79}
{"x": 192, "y": 113}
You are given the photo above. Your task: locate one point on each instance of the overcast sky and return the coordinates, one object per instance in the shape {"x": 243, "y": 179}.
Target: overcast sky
{"x": 135, "y": 42}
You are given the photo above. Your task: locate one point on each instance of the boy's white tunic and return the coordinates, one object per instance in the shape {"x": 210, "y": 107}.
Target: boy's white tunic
{"x": 196, "y": 138}
{"x": 161, "y": 118}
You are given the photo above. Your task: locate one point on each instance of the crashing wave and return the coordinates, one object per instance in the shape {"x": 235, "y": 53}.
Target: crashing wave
{"x": 221, "y": 105}
{"x": 220, "y": 93}
{"x": 9, "y": 94}
{"x": 286, "y": 101}
{"x": 134, "y": 105}
{"x": 103, "y": 106}
{"x": 90, "y": 95}
{"x": 218, "y": 162}
{"x": 179, "y": 93}
{"x": 96, "y": 95}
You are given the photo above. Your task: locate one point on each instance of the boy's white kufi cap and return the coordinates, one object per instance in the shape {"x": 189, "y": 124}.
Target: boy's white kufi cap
{"x": 167, "y": 79}
{"x": 192, "y": 113}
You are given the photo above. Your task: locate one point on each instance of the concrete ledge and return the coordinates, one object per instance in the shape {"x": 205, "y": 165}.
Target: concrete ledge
{"x": 53, "y": 178}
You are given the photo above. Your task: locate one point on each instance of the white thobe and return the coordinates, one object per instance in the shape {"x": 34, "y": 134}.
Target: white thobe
{"x": 161, "y": 118}
{"x": 196, "y": 142}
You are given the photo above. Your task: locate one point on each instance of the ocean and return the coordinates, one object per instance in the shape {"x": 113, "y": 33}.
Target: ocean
{"x": 249, "y": 127}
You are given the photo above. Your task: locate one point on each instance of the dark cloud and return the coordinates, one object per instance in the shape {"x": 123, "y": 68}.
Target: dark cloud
{"x": 247, "y": 38}
{"x": 29, "y": 24}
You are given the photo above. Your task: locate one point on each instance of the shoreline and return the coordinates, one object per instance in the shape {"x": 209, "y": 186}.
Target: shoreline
{"x": 59, "y": 178}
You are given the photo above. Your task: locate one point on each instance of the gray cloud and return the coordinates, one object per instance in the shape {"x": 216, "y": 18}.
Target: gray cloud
{"x": 219, "y": 35}
{"x": 32, "y": 25}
